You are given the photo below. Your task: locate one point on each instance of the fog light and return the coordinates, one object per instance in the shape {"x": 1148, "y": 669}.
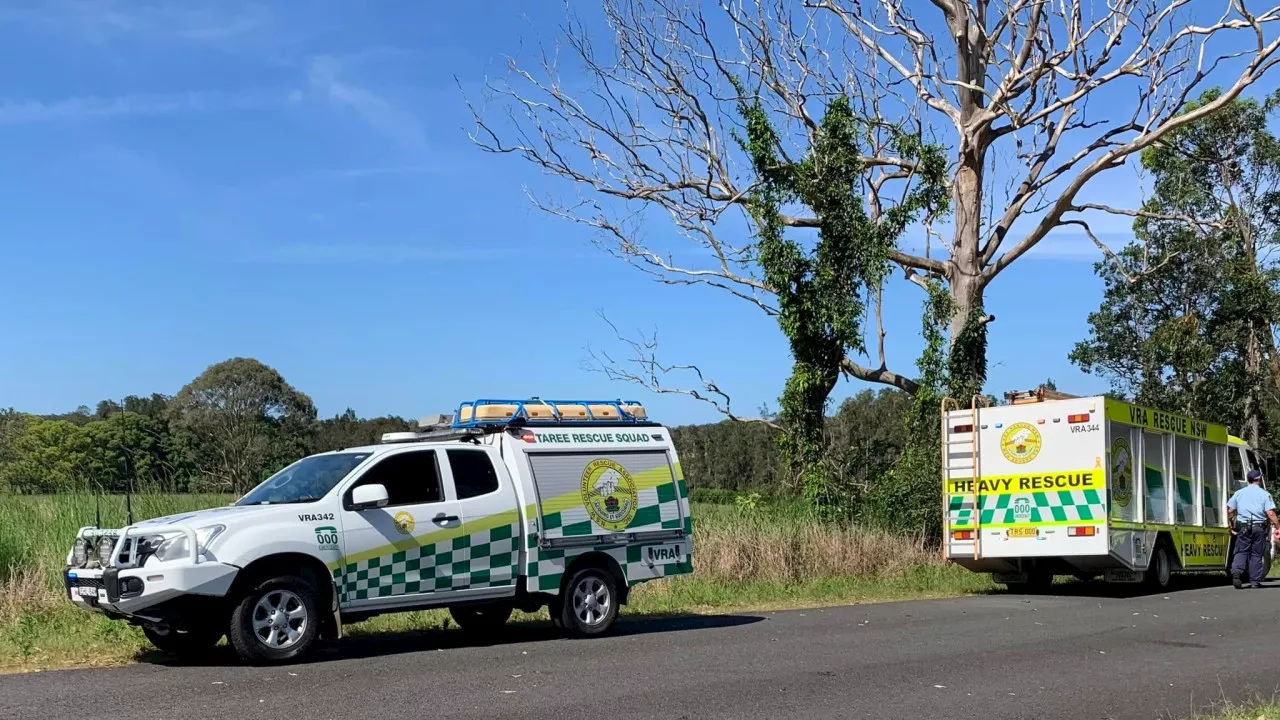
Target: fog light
{"x": 130, "y": 587}
{"x": 80, "y": 552}
{"x": 106, "y": 544}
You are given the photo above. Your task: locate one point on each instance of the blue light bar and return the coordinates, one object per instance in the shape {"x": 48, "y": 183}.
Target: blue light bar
{"x": 536, "y": 411}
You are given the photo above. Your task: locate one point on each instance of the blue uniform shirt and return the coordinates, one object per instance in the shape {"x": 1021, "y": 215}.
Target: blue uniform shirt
{"x": 1251, "y": 504}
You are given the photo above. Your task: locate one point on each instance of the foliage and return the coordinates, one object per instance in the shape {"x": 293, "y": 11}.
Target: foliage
{"x": 248, "y": 418}
{"x": 908, "y": 497}
{"x": 861, "y": 442}
{"x": 823, "y": 293}
{"x": 152, "y": 443}
{"x": 346, "y": 430}
{"x": 47, "y": 455}
{"x": 1187, "y": 317}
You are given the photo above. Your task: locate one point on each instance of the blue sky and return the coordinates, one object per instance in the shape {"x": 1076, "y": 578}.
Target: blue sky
{"x": 293, "y": 181}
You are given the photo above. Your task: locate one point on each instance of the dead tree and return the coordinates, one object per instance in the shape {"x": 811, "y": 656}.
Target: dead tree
{"x": 1053, "y": 94}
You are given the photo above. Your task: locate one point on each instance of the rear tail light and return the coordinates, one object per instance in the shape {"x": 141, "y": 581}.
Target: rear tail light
{"x": 962, "y": 429}
{"x": 1083, "y": 531}
{"x": 1078, "y": 418}
{"x": 961, "y": 534}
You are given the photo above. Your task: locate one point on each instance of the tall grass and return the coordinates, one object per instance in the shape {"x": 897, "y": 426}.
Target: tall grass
{"x": 758, "y": 556}
{"x": 36, "y": 531}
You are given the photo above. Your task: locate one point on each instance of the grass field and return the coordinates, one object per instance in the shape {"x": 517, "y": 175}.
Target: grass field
{"x": 766, "y": 558}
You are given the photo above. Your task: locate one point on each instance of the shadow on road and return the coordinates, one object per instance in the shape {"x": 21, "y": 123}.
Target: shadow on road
{"x": 396, "y": 643}
{"x": 1181, "y": 583}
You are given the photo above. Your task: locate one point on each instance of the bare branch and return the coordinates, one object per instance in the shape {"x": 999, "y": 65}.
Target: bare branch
{"x": 643, "y": 368}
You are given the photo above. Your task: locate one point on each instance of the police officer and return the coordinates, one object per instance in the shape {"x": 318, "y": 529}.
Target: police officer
{"x": 1248, "y": 512}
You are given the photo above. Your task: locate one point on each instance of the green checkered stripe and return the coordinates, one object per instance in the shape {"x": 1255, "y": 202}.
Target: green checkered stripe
{"x": 546, "y": 567}
{"x": 960, "y": 511}
{"x": 658, "y": 507}
{"x": 1057, "y": 506}
{"x": 486, "y": 558}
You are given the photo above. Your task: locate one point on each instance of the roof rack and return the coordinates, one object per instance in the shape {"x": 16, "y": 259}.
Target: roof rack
{"x": 536, "y": 411}
{"x": 1039, "y": 395}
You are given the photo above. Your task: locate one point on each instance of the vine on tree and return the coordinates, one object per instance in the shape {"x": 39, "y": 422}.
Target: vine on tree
{"x": 824, "y": 292}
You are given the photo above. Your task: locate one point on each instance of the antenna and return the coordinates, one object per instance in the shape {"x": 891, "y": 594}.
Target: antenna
{"x": 128, "y": 503}
{"x": 97, "y": 504}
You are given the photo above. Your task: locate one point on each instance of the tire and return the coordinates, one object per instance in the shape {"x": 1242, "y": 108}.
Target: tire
{"x": 589, "y": 604}
{"x": 186, "y": 643}
{"x": 1160, "y": 570}
{"x": 481, "y": 619}
{"x": 276, "y": 621}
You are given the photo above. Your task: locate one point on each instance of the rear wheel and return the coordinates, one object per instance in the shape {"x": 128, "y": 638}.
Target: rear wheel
{"x": 1160, "y": 571}
{"x": 185, "y": 643}
{"x": 481, "y": 618}
{"x": 589, "y": 604}
{"x": 276, "y": 621}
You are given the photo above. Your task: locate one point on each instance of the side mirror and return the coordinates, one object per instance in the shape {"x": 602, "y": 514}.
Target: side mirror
{"x": 367, "y": 497}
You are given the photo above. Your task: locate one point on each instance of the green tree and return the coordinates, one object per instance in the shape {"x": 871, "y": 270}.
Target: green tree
{"x": 244, "y": 421}
{"x": 128, "y": 451}
{"x": 1189, "y": 309}
{"x": 47, "y": 456}
{"x": 348, "y": 430}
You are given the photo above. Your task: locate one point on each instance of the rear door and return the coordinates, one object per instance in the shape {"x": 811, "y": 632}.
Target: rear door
{"x": 391, "y": 555}
{"x": 486, "y": 556}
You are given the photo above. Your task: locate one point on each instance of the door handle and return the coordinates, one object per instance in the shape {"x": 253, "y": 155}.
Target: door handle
{"x": 441, "y": 519}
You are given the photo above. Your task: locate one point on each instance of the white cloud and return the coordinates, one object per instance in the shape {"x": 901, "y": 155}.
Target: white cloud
{"x": 108, "y": 20}
{"x": 381, "y": 114}
{"x": 13, "y": 112}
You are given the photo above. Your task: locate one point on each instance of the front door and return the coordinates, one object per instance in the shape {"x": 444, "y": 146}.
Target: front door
{"x": 391, "y": 554}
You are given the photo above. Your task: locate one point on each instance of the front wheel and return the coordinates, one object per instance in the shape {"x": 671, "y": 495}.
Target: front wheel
{"x": 481, "y": 618}
{"x": 589, "y": 604}
{"x": 185, "y": 643}
{"x": 276, "y": 621}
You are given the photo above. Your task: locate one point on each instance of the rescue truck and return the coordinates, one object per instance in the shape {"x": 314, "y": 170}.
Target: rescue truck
{"x": 508, "y": 504}
{"x": 1051, "y": 484}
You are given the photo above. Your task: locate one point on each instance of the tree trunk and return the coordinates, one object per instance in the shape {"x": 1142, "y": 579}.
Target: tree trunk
{"x": 967, "y": 367}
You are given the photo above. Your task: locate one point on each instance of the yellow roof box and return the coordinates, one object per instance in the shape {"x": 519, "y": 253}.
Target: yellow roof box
{"x": 536, "y": 411}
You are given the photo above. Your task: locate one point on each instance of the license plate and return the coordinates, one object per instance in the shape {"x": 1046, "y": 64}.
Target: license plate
{"x": 89, "y": 592}
{"x": 1024, "y": 532}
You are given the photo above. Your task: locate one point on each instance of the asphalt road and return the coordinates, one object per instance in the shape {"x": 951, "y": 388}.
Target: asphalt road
{"x": 1001, "y": 656}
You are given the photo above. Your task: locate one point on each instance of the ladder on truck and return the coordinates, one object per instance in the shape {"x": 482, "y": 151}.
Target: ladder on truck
{"x": 960, "y": 461}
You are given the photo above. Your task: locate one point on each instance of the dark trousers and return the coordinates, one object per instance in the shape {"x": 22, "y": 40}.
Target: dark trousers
{"x": 1251, "y": 544}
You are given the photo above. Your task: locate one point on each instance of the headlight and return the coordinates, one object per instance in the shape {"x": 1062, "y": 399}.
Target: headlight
{"x": 80, "y": 553}
{"x": 176, "y": 547}
{"x": 106, "y": 544}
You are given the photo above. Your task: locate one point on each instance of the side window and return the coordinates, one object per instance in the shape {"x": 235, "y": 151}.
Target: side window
{"x": 411, "y": 478}
{"x": 1237, "y": 469}
{"x": 473, "y": 473}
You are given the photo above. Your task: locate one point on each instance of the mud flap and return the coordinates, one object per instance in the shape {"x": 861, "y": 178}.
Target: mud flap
{"x": 337, "y": 615}
{"x": 1125, "y": 576}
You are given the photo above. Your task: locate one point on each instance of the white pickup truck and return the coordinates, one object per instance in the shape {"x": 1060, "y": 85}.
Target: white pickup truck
{"x": 516, "y": 504}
